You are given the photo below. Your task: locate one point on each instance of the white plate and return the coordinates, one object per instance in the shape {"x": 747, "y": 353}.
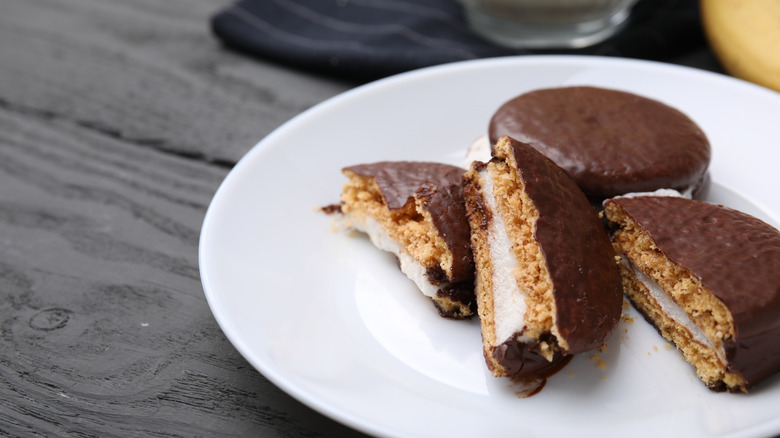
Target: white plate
{"x": 333, "y": 322}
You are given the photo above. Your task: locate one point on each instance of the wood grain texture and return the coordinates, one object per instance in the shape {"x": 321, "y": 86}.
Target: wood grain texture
{"x": 146, "y": 71}
{"x": 118, "y": 121}
{"x": 105, "y": 329}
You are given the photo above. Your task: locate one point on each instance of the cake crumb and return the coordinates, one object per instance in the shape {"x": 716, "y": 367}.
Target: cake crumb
{"x": 599, "y": 362}
{"x": 627, "y": 319}
{"x": 655, "y": 348}
{"x": 668, "y": 346}
{"x": 570, "y": 373}
{"x": 603, "y": 348}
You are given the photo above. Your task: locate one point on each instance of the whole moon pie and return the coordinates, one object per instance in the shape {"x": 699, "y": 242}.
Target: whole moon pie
{"x": 708, "y": 278}
{"x": 611, "y": 142}
{"x": 548, "y": 285}
{"x": 416, "y": 211}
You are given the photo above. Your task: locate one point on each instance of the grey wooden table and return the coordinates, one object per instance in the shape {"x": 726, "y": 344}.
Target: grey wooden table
{"x": 118, "y": 121}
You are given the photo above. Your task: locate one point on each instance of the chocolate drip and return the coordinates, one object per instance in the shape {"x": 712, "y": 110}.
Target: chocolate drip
{"x": 525, "y": 364}
{"x": 331, "y": 209}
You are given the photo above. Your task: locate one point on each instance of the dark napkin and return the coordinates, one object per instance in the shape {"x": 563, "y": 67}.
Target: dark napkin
{"x": 369, "y": 39}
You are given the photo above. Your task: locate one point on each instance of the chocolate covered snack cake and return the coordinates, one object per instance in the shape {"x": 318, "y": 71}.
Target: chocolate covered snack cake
{"x": 416, "y": 211}
{"x": 708, "y": 278}
{"x": 548, "y": 284}
{"x": 611, "y": 142}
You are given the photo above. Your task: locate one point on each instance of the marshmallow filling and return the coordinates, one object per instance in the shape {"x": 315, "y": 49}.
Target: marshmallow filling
{"x": 509, "y": 301}
{"x": 382, "y": 240}
{"x": 676, "y": 313}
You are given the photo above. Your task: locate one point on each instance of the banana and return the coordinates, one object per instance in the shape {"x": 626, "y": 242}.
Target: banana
{"x": 745, "y": 37}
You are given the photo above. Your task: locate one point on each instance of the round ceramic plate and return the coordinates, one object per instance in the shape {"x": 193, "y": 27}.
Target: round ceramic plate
{"x": 333, "y": 322}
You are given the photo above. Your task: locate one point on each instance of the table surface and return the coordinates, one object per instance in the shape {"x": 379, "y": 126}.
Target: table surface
{"x": 118, "y": 121}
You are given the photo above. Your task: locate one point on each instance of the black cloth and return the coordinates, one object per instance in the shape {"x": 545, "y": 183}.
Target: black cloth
{"x": 369, "y": 39}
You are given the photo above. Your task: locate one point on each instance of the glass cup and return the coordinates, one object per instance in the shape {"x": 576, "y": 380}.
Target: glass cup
{"x": 545, "y": 24}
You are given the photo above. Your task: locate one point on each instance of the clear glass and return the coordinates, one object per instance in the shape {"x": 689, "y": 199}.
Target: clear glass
{"x": 547, "y": 23}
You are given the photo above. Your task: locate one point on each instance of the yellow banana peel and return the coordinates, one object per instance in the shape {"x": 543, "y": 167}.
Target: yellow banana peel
{"x": 745, "y": 37}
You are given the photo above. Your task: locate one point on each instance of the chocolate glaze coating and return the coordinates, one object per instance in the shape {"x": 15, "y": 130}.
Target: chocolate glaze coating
{"x": 524, "y": 361}
{"x": 438, "y": 186}
{"x": 611, "y": 142}
{"x": 399, "y": 180}
{"x": 586, "y": 280}
{"x": 737, "y": 257}
{"x": 462, "y": 292}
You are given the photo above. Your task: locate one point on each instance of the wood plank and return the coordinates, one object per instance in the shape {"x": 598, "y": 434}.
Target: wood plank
{"x": 148, "y": 72}
{"x": 104, "y": 324}
{"x": 118, "y": 121}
